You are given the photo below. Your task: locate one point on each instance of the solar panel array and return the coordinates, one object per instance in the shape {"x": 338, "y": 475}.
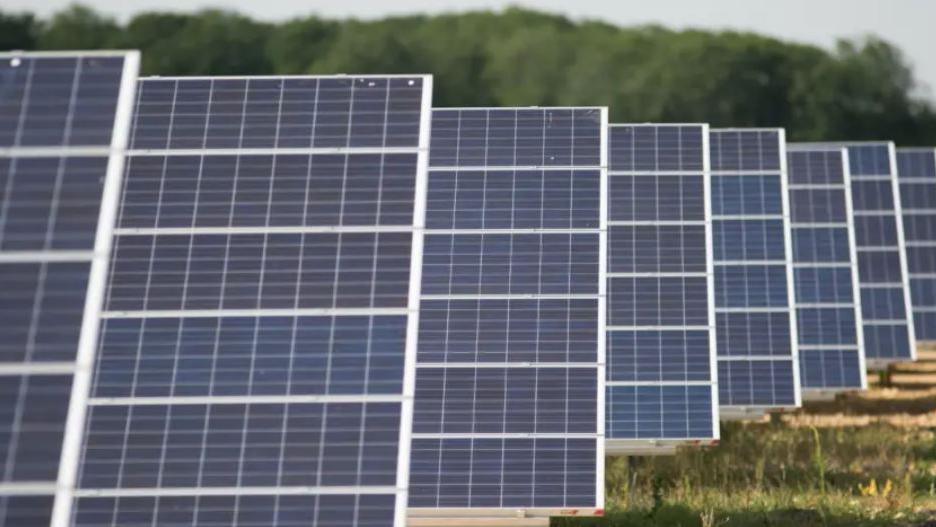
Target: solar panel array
{"x": 755, "y": 326}
{"x": 917, "y": 176}
{"x": 63, "y": 120}
{"x": 278, "y": 301}
{"x": 882, "y": 264}
{"x": 661, "y": 337}
{"x": 825, "y": 270}
{"x": 509, "y": 382}
{"x": 254, "y": 362}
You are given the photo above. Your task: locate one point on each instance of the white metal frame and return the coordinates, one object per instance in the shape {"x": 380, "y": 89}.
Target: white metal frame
{"x": 412, "y": 329}
{"x": 902, "y": 244}
{"x": 603, "y": 251}
{"x": 788, "y": 256}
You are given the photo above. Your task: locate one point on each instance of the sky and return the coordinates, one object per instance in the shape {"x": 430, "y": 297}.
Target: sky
{"x": 907, "y": 23}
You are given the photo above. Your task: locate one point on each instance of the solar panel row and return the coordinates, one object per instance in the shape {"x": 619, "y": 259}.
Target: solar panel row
{"x": 756, "y": 328}
{"x": 254, "y": 359}
{"x": 660, "y": 335}
{"x": 509, "y": 360}
{"x": 917, "y": 176}
{"x": 825, "y": 270}
{"x": 63, "y": 121}
{"x": 313, "y": 316}
{"x": 882, "y": 265}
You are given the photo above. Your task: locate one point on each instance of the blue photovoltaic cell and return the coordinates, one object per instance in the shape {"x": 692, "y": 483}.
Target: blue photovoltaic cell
{"x": 887, "y": 328}
{"x": 50, "y": 203}
{"x": 753, "y": 304}
{"x": 658, "y": 301}
{"x": 250, "y": 445}
{"x": 492, "y": 472}
{"x": 654, "y": 412}
{"x": 159, "y": 357}
{"x": 744, "y": 195}
{"x": 233, "y": 271}
{"x": 508, "y": 330}
{"x": 509, "y": 315}
{"x": 741, "y": 286}
{"x": 830, "y": 367}
{"x": 743, "y": 334}
{"x": 508, "y": 199}
{"x": 659, "y": 356}
{"x": 32, "y": 423}
{"x": 525, "y": 137}
{"x": 41, "y": 310}
{"x": 59, "y": 117}
{"x": 26, "y": 511}
{"x": 260, "y": 302}
{"x": 659, "y": 198}
{"x": 505, "y": 400}
{"x": 278, "y": 112}
{"x": 269, "y": 190}
{"x": 517, "y": 263}
{"x": 820, "y": 244}
{"x": 59, "y": 101}
{"x": 363, "y": 510}
{"x": 736, "y": 240}
{"x": 751, "y": 382}
{"x": 657, "y": 248}
{"x": 917, "y": 177}
{"x": 659, "y": 339}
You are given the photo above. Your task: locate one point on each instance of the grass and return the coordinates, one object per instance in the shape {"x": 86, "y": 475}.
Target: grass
{"x": 788, "y": 473}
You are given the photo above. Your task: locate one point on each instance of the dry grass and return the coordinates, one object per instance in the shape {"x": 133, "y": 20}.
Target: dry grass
{"x": 864, "y": 460}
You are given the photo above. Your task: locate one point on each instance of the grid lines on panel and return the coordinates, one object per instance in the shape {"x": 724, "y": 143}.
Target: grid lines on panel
{"x": 257, "y": 322}
{"x": 917, "y": 176}
{"x": 508, "y": 375}
{"x": 61, "y": 146}
{"x": 828, "y": 309}
{"x": 882, "y": 263}
{"x": 661, "y": 383}
{"x": 756, "y": 325}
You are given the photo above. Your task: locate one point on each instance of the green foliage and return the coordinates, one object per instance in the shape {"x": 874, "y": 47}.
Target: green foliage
{"x": 18, "y": 31}
{"x": 209, "y": 42}
{"x": 78, "y": 27}
{"x": 770, "y": 474}
{"x": 862, "y": 89}
{"x": 296, "y": 44}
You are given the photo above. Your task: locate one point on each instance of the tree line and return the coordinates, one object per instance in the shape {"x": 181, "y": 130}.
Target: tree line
{"x": 861, "y": 89}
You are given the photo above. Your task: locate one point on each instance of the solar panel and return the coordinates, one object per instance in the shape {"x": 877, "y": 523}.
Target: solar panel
{"x": 63, "y": 123}
{"x": 255, "y": 359}
{"x": 661, "y": 384}
{"x": 917, "y": 177}
{"x": 825, "y": 267}
{"x": 882, "y": 265}
{"x": 509, "y": 359}
{"x": 755, "y": 326}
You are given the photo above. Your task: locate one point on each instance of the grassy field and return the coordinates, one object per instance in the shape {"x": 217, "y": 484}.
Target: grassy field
{"x": 864, "y": 460}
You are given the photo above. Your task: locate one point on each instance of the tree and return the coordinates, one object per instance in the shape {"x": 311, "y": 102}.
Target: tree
{"x": 79, "y": 27}
{"x": 294, "y": 46}
{"x": 210, "y": 42}
{"x": 860, "y": 90}
{"x": 17, "y": 31}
